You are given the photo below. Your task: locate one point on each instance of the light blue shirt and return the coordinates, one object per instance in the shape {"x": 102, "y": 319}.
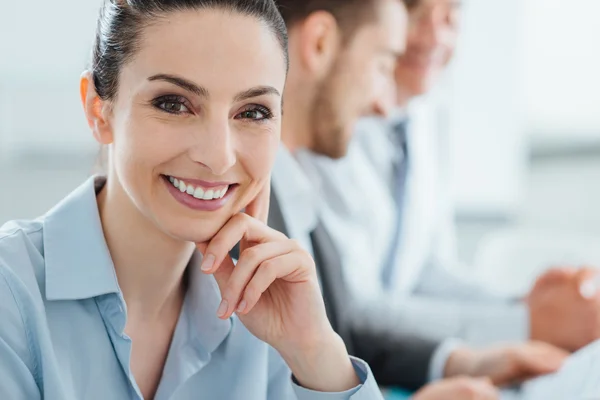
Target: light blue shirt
{"x": 62, "y": 320}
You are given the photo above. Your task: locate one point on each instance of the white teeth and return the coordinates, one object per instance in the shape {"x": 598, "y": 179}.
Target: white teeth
{"x": 199, "y": 193}
{"x": 209, "y": 195}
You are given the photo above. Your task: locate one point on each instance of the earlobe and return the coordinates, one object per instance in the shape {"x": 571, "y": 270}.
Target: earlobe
{"x": 93, "y": 107}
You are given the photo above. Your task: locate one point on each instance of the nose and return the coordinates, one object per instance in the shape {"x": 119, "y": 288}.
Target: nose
{"x": 433, "y": 26}
{"x": 385, "y": 101}
{"x": 214, "y": 148}
{"x": 383, "y": 106}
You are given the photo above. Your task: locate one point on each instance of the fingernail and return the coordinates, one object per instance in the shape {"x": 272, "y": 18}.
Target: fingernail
{"x": 588, "y": 289}
{"x": 222, "y": 308}
{"x": 207, "y": 263}
{"x": 242, "y": 306}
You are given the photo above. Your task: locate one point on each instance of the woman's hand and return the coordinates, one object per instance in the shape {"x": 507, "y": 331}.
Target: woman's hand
{"x": 275, "y": 292}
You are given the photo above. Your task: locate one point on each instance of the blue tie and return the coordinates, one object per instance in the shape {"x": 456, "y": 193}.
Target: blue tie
{"x": 400, "y": 172}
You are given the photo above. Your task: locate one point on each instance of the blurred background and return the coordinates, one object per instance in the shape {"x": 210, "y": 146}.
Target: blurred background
{"x": 524, "y": 125}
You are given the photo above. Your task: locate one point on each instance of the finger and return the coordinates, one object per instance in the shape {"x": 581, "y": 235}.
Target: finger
{"x": 222, "y": 272}
{"x": 249, "y": 262}
{"x": 556, "y": 275}
{"x": 295, "y": 266}
{"x": 485, "y": 390}
{"x": 584, "y": 274}
{"x": 240, "y": 226}
{"x": 259, "y": 206}
{"x": 588, "y": 283}
{"x": 540, "y": 359}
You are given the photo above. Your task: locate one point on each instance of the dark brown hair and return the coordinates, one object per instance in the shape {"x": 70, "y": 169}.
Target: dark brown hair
{"x": 349, "y": 14}
{"x": 121, "y": 22}
{"x": 410, "y": 4}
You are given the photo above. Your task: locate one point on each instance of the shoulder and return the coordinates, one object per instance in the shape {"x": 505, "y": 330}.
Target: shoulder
{"x": 21, "y": 271}
{"x": 20, "y": 233}
{"x": 21, "y": 274}
{"x": 22, "y": 255}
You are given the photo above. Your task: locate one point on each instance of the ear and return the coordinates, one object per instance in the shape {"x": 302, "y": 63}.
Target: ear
{"x": 96, "y": 110}
{"x": 320, "y": 41}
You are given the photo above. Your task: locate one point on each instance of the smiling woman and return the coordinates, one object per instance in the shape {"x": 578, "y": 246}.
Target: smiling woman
{"x": 125, "y": 289}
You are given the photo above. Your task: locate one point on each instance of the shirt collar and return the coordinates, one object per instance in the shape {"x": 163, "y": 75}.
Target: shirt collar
{"x": 295, "y": 191}
{"x": 78, "y": 262}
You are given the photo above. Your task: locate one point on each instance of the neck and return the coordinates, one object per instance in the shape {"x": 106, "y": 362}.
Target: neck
{"x": 149, "y": 264}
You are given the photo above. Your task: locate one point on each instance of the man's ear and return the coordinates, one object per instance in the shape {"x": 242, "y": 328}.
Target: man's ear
{"x": 96, "y": 110}
{"x": 320, "y": 40}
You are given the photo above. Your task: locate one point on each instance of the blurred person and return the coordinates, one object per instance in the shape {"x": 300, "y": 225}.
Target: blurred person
{"x": 390, "y": 198}
{"x": 342, "y": 60}
{"x": 125, "y": 289}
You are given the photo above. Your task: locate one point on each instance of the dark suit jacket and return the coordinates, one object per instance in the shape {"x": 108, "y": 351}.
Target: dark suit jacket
{"x": 395, "y": 359}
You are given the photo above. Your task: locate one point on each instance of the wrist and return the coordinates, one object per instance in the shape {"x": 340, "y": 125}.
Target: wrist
{"x": 322, "y": 365}
{"x": 461, "y": 362}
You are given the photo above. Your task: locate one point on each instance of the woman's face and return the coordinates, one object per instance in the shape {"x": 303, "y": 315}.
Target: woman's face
{"x": 196, "y": 121}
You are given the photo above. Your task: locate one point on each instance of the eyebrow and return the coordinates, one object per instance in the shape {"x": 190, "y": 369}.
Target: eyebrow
{"x": 203, "y": 92}
{"x": 256, "y": 92}
{"x": 182, "y": 83}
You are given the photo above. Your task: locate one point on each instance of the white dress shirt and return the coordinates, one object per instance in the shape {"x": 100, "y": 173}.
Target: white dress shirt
{"x": 424, "y": 296}
{"x": 300, "y": 201}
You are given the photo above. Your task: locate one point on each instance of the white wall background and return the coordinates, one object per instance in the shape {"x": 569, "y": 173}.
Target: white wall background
{"x": 44, "y": 47}
{"x": 526, "y": 78}
{"x": 562, "y": 72}
{"x": 488, "y": 145}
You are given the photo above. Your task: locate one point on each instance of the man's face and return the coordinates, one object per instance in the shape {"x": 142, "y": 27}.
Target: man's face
{"x": 432, "y": 37}
{"x": 358, "y": 84}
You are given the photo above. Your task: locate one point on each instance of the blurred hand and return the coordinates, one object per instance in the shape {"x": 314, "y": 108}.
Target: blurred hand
{"x": 459, "y": 388}
{"x": 559, "y": 313}
{"x": 506, "y": 365}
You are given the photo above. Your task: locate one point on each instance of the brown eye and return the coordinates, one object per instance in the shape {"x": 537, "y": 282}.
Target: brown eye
{"x": 173, "y": 107}
{"x": 258, "y": 113}
{"x": 252, "y": 114}
{"x": 172, "y": 104}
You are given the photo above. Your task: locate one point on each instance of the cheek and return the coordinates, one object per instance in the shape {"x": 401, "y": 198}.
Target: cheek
{"x": 256, "y": 154}
{"x": 146, "y": 143}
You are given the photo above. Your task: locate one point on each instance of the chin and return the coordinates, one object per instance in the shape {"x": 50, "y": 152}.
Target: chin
{"x": 336, "y": 144}
{"x": 197, "y": 230}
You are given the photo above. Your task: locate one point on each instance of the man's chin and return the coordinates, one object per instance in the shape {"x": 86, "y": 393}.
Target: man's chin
{"x": 339, "y": 151}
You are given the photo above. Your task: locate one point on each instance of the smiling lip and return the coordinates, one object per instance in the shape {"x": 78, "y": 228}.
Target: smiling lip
{"x": 199, "y": 204}
{"x": 201, "y": 183}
